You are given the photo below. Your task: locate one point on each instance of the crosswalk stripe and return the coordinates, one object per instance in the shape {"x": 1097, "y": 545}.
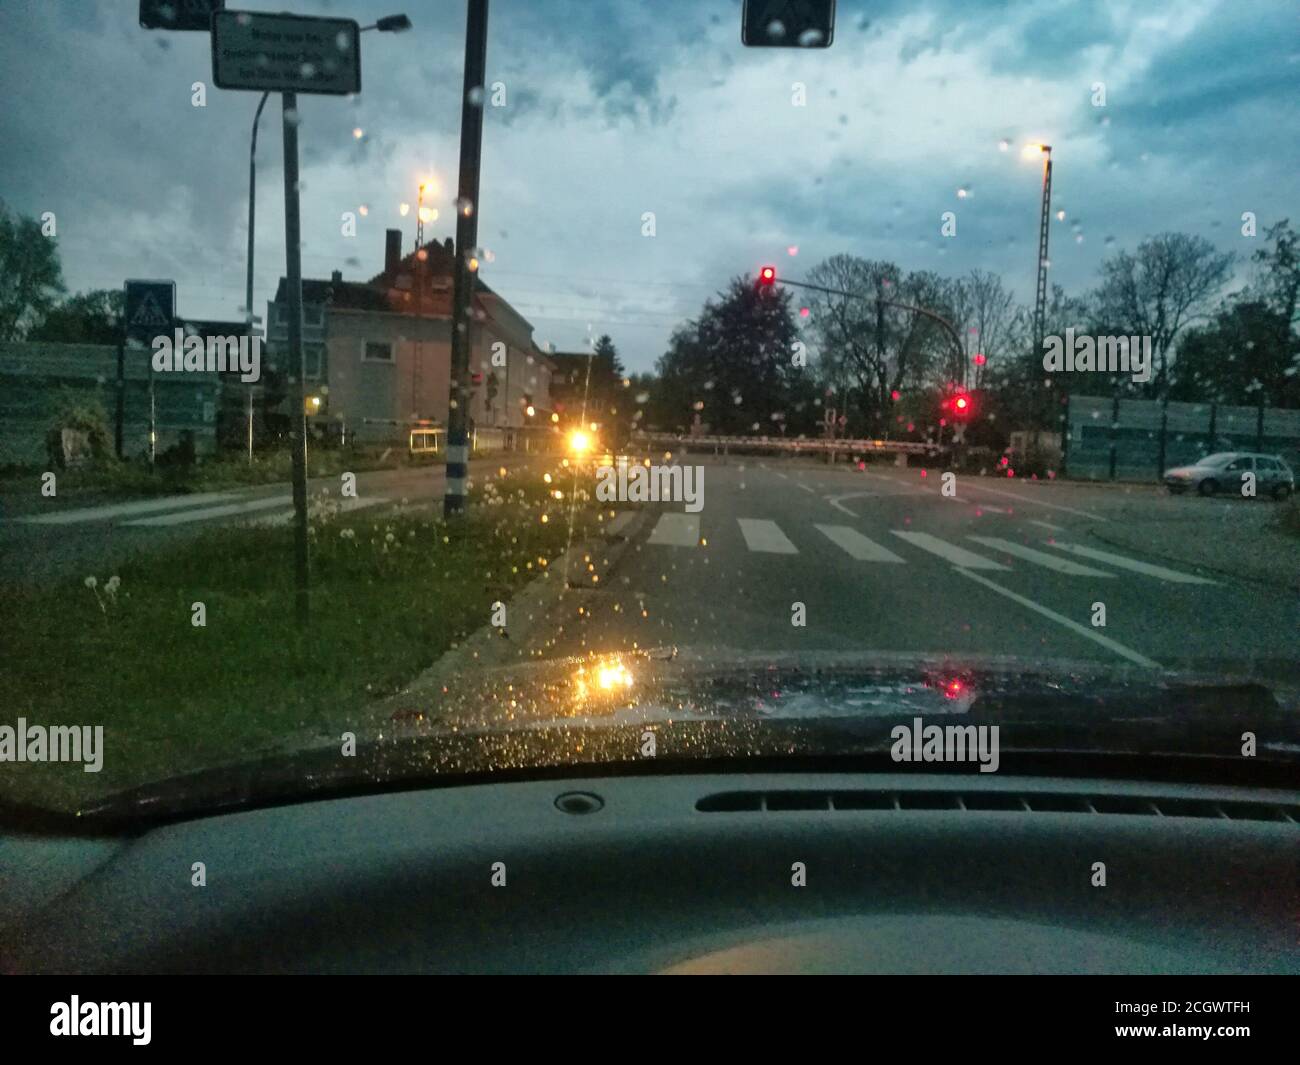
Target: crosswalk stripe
{"x": 345, "y": 506}
{"x": 1146, "y": 568}
{"x": 676, "y": 530}
{"x": 1041, "y": 558}
{"x": 118, "y": 510}
{"x": 227, "y": 511}
{"x": 958, "y": 556}
{"x": 857, "y": 545}
{"x": 765, "y": 536}
{"x": 619, "y": 522}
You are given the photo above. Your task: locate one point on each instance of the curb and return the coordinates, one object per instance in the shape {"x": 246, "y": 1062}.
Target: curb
{"x": 529, "y": 607}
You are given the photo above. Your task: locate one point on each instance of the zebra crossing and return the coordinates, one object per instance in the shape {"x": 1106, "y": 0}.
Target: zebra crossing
{"x": 765, "y": 537}
{"x": 185, "y": 510}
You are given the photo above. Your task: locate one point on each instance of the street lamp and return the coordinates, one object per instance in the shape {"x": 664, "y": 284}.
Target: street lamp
{"x": 1032, "y": 151}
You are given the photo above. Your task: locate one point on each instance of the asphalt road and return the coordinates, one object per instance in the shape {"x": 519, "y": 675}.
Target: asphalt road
{"x": 50, "y": 538}
{"x": 881, "y": 561}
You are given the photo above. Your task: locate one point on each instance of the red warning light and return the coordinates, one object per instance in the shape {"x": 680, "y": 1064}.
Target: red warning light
{"x": 767, "y": 275}
{"x": 980, "y": 360}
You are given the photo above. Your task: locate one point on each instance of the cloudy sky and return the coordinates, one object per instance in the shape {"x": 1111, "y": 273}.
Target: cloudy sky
{"x": 615, "y": 108}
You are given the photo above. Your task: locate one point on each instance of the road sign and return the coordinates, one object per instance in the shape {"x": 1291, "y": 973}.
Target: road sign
{"x": 150, "y": 309}
{"x": 178, "y": 14}
{"x": 788, "y": 23}
{"x": 262, "y": 52}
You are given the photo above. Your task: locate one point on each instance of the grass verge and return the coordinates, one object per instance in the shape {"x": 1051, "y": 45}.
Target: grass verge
{"x": 390, "y": 594}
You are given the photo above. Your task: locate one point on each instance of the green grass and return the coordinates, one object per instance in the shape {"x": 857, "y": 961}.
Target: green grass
{"x": 389, "y": 596}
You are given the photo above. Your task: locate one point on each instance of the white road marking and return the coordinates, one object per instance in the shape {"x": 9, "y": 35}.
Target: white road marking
{"x": 1036, "y": 502}
{"x": 765, "y": 536}
{"x": 1047, "y": 525}
{"x": 345, "y": 506}
{"x": 228, "y": 511}
{"x": 835, "y": 500}
{"x": 619, "y": 522}
{"x": 958, "y": 556}
{"x": 857, "y": 545}
{"x": 807, "y": 488}
{"x": 1041, "y": 558}
{"x": 118, "y": 510}
{"x": 676, "y": 530}
{"x": 1147, "y": 568}
{"x": 1074, "y": 626}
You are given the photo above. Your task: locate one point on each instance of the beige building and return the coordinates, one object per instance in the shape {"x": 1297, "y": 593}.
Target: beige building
{"x": 378, "y": 352}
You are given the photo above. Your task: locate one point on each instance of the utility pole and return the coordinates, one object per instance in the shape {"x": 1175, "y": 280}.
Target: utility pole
{"x": 467, "y": 210}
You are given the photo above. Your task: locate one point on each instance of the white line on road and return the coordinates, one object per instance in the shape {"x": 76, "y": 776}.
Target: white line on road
{"x": 1035, "y": 502}
{"x": 1046, "y": 525}
{"x": 676, "y": 530}
{"x": 620, "y": 522}
{"x": 1042, "y": 558}
{"x": 1060, "y": 619}
{"x": 1159, "y": 572}
{"x": 958, "y": 556}
{"x": 765, "y": 536}
{"x": 835, "y": 500}
{"x": 857, "y": 545}
{"x": 807, "y": 488}
{"x": 228, "y": 511}
{"x": 117, "y": 510}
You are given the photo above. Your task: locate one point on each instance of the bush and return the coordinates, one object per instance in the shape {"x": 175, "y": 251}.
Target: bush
{"x": 84, "y": 413}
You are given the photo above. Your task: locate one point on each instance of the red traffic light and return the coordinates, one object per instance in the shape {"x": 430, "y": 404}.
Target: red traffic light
{"x": 961, "y": 403}
{"x": 767, "y": 275}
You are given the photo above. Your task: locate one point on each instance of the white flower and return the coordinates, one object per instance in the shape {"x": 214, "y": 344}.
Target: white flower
{"x": 114, "y": 583}
{"x": 91, "y": 583}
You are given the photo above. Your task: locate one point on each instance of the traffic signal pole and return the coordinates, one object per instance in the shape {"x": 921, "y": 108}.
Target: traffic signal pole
{"x": 467, "y": 209}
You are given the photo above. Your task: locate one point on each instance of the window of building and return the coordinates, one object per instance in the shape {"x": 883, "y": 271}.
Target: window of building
{"x": 377, "y": 351}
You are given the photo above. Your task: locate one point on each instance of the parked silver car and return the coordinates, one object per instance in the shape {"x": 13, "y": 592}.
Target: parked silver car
{"x": 1222, "y": 472}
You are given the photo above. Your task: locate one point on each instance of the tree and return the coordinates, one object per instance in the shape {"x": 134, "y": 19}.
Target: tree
{"x": 1239, "y": 357}
{"x": 735, "y": 365}
{"x": 869, "y": 350}
{"x": 30, "y": 275}
{"x": 93, "y": 317}
{"x": 1169, "y": 283}
{"x": 982, "y": 309}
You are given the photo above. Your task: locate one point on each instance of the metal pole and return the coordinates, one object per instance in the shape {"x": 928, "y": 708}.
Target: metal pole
{"x": 298, "y": 437}
{"x": 248, "y": 285}
{"x": 120, "y": 413}
{"x": 467, "y": 212}
{"x": 1259, "y": 423}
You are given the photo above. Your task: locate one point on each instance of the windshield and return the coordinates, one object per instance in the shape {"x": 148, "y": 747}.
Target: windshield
{"x": 374, "y": 377}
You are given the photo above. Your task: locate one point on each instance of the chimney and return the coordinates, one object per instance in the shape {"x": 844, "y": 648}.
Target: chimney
{"x": 392, "y": 250}
{"x": 451, "y": 248}
{"x": 336, "y": 278}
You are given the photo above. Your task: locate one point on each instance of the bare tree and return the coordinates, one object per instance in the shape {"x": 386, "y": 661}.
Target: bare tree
{"x": 867, "y": 348}
{"x": 982, "y": 309}
{"x": 1170, "y": 282}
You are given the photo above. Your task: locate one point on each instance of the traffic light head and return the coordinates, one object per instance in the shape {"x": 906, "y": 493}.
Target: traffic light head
{"x": 767, "y": 276}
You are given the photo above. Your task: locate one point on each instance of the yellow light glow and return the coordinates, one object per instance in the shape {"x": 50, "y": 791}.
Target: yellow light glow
{"x": 1031, "y": 151}
{"x": 555, "y": 417}
{"x": 428, "y": 214}
{"x": 404, "y": 209}
{"x": 530, "y": 410}
{"x": 579, "y": 442}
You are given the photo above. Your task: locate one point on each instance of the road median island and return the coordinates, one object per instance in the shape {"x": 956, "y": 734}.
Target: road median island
{"x": 390, "y": 595}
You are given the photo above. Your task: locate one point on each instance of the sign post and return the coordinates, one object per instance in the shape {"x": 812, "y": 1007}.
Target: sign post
{"x": 150, "y": 309}
{"x": 255, "y": 51}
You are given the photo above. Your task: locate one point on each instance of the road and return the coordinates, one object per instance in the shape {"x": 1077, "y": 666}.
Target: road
{"x": 48, "y": 538}
{"x": 881, "y": 561}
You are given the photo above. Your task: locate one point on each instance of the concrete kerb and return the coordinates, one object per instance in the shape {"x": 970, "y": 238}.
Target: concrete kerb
{"x": 532, "y": 606}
